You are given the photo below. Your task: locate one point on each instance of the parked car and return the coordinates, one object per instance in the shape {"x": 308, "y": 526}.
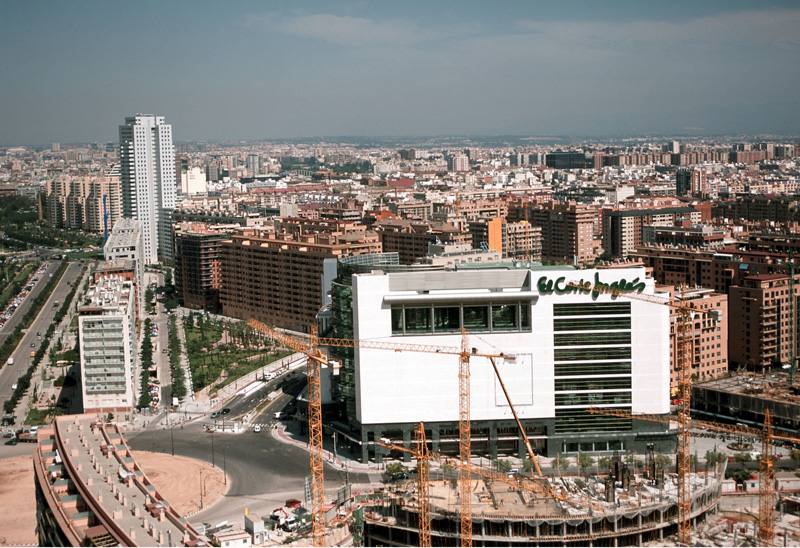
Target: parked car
{"x": 225, "y": 411}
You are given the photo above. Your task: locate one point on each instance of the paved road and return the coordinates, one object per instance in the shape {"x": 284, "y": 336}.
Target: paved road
{"x": 241, "y": 405}
{"x": 23, "y": 308}
{"x": 10, "y": 373}
{"x": 263, "y": 471}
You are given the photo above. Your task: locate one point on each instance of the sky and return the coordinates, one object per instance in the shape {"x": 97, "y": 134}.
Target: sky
{"x": 230, "y": 70}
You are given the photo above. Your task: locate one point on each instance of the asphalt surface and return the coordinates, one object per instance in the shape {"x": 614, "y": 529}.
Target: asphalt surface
{"x": 262, "y": 471}
{"x": 25, "y": 305}
{"x": 241, "y": 405}
{"x": 22, "y": 355}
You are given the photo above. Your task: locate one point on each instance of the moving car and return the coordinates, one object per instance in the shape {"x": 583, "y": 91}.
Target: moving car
{"x": 257, "y": 428}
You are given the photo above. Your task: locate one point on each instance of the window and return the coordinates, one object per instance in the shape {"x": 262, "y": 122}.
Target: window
{"x": 585, "y": 339}
{"x": 591, "y": 309}
{"x": 593, "y": 398}
{"x": 591, "y": 324}
{"x": 608, "y": 368}
{"x": 397, "y": 321}
{"x": 572, "y": 385}
{"x": 476, "y": 318}
{"x": 504, "y": 317}
{"x": 576, "y": 354}
{"x": 525, "y": 316}
{"x": 418, "y": 320}
{"x": 446, "y": 319}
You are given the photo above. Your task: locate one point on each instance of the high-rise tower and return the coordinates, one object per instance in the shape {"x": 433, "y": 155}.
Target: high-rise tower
{"x": 147, "y": 173}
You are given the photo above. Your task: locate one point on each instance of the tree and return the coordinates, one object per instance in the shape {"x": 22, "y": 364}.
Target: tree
{"x": 795, "y": 455}
{"x": 585, "y": 461}
{"x": 604, "y": 463}
{"x": 502, "y": 465}
{"x": 714, "y": 457}
{"x": 662, "y": 460}
{"x": 742, "y": 458}
{"x": 559, "y": 462}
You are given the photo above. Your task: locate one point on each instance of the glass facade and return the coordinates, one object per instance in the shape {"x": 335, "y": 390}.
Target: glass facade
{"x": 475, "y": 318}
{"x": 592, "y": 365}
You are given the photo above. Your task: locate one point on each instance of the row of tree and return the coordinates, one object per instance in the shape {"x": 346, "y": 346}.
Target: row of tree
{"x": 24, "y": 382}
{"x": 178, "y": 375}
{"x": 145, "y": 362}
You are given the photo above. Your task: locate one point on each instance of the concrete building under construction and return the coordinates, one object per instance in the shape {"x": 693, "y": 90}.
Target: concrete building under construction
{"x": 621, "y": 509}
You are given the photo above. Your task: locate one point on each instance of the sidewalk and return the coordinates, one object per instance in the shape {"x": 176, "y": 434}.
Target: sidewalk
{"x": 229, "y": 390}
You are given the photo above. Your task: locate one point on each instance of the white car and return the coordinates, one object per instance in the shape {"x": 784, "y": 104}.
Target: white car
{"x": 257, "y": 428}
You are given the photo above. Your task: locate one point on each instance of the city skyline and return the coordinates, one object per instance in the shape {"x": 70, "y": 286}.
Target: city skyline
{"x": 244, "y": 72}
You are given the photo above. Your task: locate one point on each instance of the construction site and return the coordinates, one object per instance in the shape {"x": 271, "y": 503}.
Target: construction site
{"x": 618, "y": 509}
{"x": 623, "y": 505}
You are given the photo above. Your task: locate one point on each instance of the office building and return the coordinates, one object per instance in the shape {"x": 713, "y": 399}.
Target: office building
{"x": 147, "y": 172}
{"x": 107, "y": 340}
{"x": 569, "y": 160}
{"x": 278, "y": 279}
{"x": 683, "y": 181}
{"x": 761, "y": 325}
{"x": 567, "y": 346}
{"x": 198, "y": 252}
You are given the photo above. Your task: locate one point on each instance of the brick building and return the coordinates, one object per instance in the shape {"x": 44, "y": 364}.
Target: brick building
{"x": 761, "y": 320}
{"x": 278, "y": 280}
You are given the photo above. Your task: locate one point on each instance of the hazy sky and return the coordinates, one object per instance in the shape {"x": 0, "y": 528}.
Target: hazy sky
{"x": 71, "y": 71}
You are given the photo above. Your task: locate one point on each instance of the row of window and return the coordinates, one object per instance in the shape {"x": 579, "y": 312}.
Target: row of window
{"x": 578, "y": 420}
{"x": 605, "y": 368}
{"x": 585, "y": 339}
{"x": 591, "y": 309}
{"x": 575, "y": 385}
{"x": 592, "y": 446}
{"x": 591, "y": 324}
{"x": 582, "y": 354}
{"x": 593, "y": 398}
{"x": 418, "y": 320}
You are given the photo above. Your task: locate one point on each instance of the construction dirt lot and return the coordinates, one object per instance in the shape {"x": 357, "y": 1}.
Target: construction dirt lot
{"x": 176, "y": 478}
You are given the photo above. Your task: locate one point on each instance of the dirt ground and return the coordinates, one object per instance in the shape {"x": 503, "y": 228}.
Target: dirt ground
{"x": 176, "y": 478}
{"x": 17, "y": 526}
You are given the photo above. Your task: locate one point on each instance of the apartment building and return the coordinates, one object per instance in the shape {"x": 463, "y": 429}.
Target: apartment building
{"x": 107, "y": 339}
{"x": 683, "y": 266}
{"x": 623, "y": 230}
{"x": 410, "y": 239}
{"x": 125, "y": 243}
{"x": 198, "y": 273}
{"x": 518, "y": 239}
{"x": 91, "y": 203}
{"x": 709, "y": 334}
{"x": 566, "y": 231}
{"x": 761, "y": 327}
{"x": 760, "y": 207}
{"x": 277, "y": 279}
{"x": 701, "y": 236}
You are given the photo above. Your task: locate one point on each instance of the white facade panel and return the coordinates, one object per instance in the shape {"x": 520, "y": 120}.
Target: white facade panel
{"x": 407, "y": 387}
